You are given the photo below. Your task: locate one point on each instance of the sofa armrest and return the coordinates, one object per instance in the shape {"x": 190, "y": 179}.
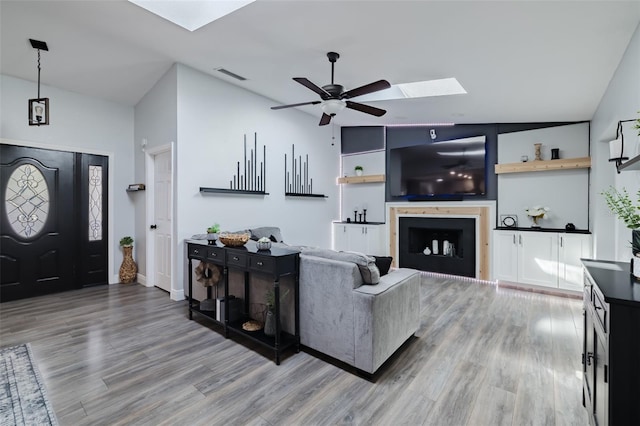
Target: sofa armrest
{"x": 386, "y": 315}
{"x": 326, "y": 306}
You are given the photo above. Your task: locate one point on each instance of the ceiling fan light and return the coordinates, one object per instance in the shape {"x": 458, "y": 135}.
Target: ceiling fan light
{"x": 333, "y": 106}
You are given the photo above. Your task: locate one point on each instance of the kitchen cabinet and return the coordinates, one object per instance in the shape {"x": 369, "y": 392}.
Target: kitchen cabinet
{"x": 543, "y": 258}
{"x": 361, "y": 237}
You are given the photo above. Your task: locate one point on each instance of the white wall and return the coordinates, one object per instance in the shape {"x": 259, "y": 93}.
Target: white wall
{"x": 621, "y": 101}
{"x": 213, "y": 117}
{"x": 156, "y": 122}
{"x": 565, "y": 192}
{"x": 78, "y": 123}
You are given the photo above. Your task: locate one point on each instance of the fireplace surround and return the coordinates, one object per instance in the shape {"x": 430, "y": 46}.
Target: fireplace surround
{"x": 480, "y": 213}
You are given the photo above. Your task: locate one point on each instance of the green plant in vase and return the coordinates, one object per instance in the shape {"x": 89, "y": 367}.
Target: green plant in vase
{"x": 620, "y": 204}
{"x": 126, "y": 241}
{"x": 358, "y": 170}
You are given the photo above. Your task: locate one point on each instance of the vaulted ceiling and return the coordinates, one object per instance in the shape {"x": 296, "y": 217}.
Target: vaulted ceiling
{"x": 519, "y": 61}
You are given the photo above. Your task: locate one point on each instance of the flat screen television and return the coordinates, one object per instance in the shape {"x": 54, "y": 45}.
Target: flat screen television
{"x": 453, "y": 169}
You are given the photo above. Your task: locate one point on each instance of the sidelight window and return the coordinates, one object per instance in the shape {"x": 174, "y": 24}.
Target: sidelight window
{"x": 95, "y": 203}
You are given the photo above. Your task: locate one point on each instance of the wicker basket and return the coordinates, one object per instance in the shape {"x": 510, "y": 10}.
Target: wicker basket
{"x": 233, "y": 240}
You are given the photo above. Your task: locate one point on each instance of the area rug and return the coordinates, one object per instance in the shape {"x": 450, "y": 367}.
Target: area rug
{"x": 23, "y": 399}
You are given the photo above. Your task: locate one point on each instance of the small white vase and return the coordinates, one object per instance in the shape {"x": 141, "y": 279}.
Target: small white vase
{"x": 635, "y": 268}
{"x": 358, "y": 172}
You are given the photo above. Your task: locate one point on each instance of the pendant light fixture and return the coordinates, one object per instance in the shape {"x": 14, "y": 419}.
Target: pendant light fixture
{"x": 39, "y": 107}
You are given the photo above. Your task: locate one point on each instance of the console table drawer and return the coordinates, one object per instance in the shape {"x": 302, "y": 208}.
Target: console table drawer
{"x": 262, "y": 264}
{"x": 236, "y": 259}
{"x": 215, "y": 255}
{"x": 197, "y": 251}
{"x": 601, "y": 309}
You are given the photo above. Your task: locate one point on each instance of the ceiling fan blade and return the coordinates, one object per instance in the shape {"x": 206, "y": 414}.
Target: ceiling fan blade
{"x": 295, "y": 105}
{"x": 366, "y": 109}
{"x": 325, "y": 119}
{"x": 309, "y": 85}
{"x": 367, "y": 88}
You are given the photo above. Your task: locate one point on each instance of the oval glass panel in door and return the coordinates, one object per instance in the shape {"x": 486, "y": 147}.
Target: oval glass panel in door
{"x": 27, "y": 201}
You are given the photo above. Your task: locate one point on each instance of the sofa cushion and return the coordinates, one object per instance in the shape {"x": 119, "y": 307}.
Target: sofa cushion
{"x": 271, "y": 232}
{"x": 366, "y": 264}
{"x": 383, "y": 263}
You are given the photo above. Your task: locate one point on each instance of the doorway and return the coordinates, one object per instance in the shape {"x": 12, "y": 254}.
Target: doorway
{"x": 160, "y": 213}
{"x": 53, "y": 221}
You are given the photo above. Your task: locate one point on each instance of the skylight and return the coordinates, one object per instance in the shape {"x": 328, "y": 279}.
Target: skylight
{"x": 191, "y": 14}
{"x": 417, "y": 89}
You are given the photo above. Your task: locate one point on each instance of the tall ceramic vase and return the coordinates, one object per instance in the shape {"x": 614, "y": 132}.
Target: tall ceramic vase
{"x": 128, "y": 269}
{"x": 270, "y": 324}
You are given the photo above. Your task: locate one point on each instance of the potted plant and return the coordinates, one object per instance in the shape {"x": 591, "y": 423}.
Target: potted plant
{"x": 620, "y": 204}
{"x": 358, "y": 170}
{"x": 213, "y": 231}
{"x": 637, "y": 125}
{"x": 536, "y": 213}
{"x": 128, "y": 269}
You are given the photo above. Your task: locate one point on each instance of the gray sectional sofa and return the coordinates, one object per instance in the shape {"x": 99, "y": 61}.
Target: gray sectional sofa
{"x": 357, "y": 323}
{"x": 343, "y": 316}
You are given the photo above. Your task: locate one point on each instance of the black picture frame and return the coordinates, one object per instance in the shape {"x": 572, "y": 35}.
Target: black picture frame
{"x": 39, "y": 112}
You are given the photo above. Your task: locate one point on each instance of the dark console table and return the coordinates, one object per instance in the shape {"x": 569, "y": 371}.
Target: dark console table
{"x": 611, "y": 357}
{"x": 275, "y": 263}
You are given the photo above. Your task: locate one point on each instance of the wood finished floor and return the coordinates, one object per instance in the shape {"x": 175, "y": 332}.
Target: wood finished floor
{"x": 126, "y": 354}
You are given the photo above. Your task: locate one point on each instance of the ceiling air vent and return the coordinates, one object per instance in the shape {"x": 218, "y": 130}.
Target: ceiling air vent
{"x": 230, "y": 74}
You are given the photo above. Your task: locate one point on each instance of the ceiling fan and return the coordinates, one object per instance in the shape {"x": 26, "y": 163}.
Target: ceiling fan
{"x": 334, "y": 98}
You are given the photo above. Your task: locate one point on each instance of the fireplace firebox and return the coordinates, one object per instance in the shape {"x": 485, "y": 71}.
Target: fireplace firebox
{"x": 438, "y": 244}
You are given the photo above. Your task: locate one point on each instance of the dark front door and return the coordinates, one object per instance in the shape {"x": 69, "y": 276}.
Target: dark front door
{"x": 45, "y": 246}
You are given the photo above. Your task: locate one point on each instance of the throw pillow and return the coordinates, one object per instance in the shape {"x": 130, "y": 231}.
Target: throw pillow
{"x": 366, "y": 264}
{"x": 383, "y": 263}
{"x": 266, "y": 231}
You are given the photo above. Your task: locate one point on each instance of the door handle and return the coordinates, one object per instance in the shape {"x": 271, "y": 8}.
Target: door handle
{"x": 153, "y": 227}
{"x": 589, "y": 357}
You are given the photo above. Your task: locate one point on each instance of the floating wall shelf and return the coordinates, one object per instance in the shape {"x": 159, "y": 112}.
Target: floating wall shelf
{"x": 632, "y": 165}
{"x": 362, "y": 179}
{"x": 205, "y": 190}
{"x": 544, "y": 166}
{"x": 295, "y": 194}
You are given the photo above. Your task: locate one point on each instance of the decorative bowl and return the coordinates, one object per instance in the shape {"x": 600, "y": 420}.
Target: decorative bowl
{"x": 263, "y": 245}
{"x": 233, "y": 240}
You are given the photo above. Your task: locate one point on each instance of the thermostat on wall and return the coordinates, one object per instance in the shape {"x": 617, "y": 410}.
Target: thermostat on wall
{"x": 509, "y": 220}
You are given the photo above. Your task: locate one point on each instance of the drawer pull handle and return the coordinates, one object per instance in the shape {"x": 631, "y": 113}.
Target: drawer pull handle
{"x": 196, "y": 251}
{"x": 259, "y": 263}
{"x": 214, "y": 254}
{"x": 236, "y": 258}
{"x": 598, "y": 307}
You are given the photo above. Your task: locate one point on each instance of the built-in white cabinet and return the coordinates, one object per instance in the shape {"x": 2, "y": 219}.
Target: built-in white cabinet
{"x": 549, "y": 259}
{"x": 363, "y": 238}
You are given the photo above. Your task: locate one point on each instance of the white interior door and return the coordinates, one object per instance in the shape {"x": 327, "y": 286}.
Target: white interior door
{"x": 162, "y": 210}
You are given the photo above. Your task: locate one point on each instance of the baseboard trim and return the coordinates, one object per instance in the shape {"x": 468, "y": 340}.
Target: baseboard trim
{"x": 177, "y": 295}
{"x": 142, "y": 279}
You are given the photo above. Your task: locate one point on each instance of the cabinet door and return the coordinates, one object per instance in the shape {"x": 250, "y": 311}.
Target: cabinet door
{"x": 572, "y": 248}
{"x": 357, "y": 238}
{"x": 538, "y": 258}
{"x": 375, "y": 242}
{"x": 505, "y": 255}
{"x": 340, "y": 240}
{"x": 601, "y": 394}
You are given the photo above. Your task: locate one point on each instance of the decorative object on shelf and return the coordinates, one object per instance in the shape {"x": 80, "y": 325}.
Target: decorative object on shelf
{"x": 270, "y": 317}
{"x": 426, "y": 251}
{"x": 263, "y": 243}
{"x": 136, "y": 187}
{"x": 297, "y": 182}
{"x": 538, "y": 152}
{"x": 434, "y": 246}
{"x": 620, "y": 204}
{"x": 39, "y": 107}
{"x": 509, "y": 220}
{"x": 536, "y": 213}
{"x": 569, "y": 227}
{"x": 617, "y": 153}
{"x": 524, "y": 158}
{"x": 251, "y": 325}
{"x": 555, "y": 153}
{"x": 234, "y": 240}
{"x": 358, "y": 170}
{"x": 212, "y": 232}
{"x": 128, "y": 268}
{"x": 208, "y": 274}
{"x": 637, "y": 125}
{"x": 250, "y": 181}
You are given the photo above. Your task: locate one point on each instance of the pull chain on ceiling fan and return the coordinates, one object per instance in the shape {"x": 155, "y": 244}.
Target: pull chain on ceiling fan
{"x": 334, "y": 97}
